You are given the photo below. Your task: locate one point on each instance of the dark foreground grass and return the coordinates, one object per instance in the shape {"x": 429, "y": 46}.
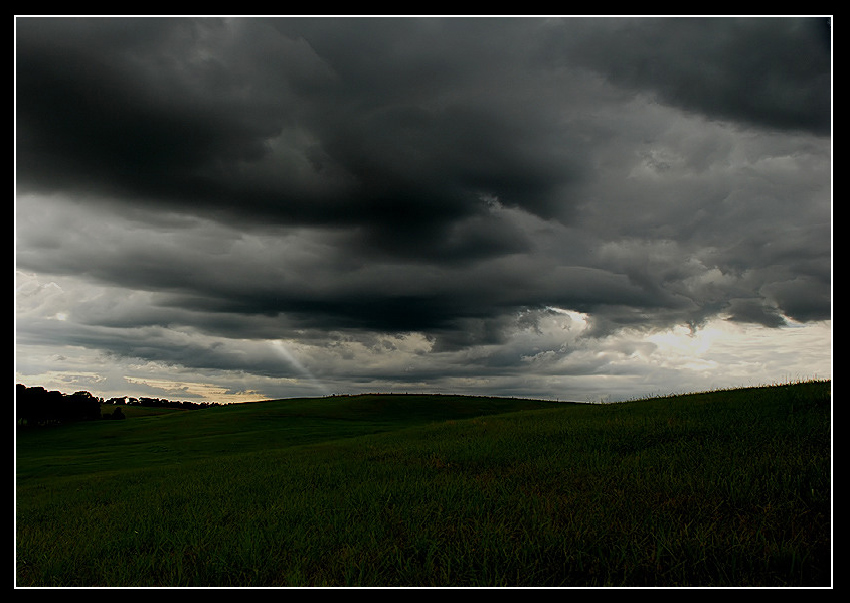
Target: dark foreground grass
{"x": 718, "y": 489}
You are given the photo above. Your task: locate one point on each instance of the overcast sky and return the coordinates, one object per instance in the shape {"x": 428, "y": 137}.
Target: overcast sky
{"x": 232, "y": 209}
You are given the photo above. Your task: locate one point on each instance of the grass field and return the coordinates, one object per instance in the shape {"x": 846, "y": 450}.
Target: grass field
{"x": 729, "y": 488}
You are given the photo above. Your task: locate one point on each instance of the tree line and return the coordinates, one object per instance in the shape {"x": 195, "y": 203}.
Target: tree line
{"x": 35, "y": 406}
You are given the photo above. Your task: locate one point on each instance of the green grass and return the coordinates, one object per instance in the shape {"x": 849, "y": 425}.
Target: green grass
{"x": 727, "y": 488}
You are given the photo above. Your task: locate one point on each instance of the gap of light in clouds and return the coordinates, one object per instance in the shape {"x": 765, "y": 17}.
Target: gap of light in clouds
{"x": 284, "y": 352}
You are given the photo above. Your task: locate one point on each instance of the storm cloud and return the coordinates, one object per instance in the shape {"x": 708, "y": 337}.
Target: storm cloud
{"x": 415, "y": 203}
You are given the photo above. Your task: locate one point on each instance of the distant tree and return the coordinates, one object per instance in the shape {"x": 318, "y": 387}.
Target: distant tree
{"x": 81, "y": 406}
{"x": 22, "y": 410}
{"x": 37, "y": 406}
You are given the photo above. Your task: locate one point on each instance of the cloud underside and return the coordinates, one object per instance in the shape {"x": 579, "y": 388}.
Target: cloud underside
{"x": 197, "y": 188}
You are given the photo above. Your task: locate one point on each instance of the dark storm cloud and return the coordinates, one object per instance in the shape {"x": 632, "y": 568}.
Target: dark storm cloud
{"x": 773, "y": 72}
{"x": 334, "y": 178}
{"x": 285, "y": 119}
{"x": 206, "y": 115}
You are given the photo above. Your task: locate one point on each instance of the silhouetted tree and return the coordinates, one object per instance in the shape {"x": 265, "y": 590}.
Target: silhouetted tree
{"x": 37, "y": 406}
{"x": 82, "y": 405}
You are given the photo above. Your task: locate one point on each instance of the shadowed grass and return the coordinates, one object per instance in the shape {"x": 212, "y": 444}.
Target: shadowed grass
{"x": 717, "y": 489}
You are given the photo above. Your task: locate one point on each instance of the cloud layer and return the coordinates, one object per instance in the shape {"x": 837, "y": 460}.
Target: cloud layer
{"x": 405, "y": 201}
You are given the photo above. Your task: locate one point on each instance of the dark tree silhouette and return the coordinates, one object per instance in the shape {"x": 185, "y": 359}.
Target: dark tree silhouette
{"x": 36, "y": 406}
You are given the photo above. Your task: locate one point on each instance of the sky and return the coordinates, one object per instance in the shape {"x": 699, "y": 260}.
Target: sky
{"x": 231, "y": 209}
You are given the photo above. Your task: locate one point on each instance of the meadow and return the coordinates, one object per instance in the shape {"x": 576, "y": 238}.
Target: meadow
{"x": 715, "y": 489}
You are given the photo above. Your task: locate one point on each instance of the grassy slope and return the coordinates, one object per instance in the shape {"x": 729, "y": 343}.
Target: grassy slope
{"x": 728, "y": 488}
{"x": 169, "y": 436}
